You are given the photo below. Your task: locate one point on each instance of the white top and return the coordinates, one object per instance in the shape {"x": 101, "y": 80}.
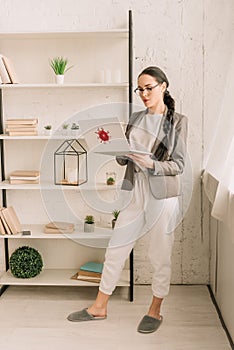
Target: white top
{"x": 142, "y": 136}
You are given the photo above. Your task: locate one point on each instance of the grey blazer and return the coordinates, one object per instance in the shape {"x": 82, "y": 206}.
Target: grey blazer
{"x": 164, "y": 179}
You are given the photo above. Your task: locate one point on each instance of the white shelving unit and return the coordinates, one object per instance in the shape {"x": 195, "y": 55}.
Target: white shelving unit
{"x": 37, "y": 95}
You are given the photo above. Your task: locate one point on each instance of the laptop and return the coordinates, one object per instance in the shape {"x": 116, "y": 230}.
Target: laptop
{"x": 107, "y": 136}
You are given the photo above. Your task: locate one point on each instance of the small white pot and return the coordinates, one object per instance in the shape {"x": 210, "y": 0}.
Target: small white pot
{"x": 74, "y": 132}
{"x": 65, "y": 132}
{"x": 89, "y": 227}
{"x": 47, "y": 132}
{"x": 59, "y": 79}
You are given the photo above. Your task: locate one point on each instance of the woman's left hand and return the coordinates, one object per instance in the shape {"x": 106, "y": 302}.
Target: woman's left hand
{"x": 142, "y": 160}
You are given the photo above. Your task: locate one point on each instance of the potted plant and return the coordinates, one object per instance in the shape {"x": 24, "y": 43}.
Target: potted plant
{"x": 110, "y": 178}
{"x": 25, "y": 262}
{"x": 59, "y": 66}
{"x": 74, "y": 128}
{"x": 89, "y": 223}
{"x": 115, "y": 213}
{"x": 48, "y": 129}
{"x": 65, "y": 128}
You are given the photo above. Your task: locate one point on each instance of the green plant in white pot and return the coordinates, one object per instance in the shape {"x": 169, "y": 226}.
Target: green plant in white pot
{"x": 115, "y": 213}
{"x": 89, "y": 223}
{"x": 48, "y": 129}
{"x": 59, "y": 66}
{"x": 65, "y": 129}
{"x": 75, "y": 129}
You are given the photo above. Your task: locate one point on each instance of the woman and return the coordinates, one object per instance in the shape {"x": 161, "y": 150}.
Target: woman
{"x": 154, "y": 182}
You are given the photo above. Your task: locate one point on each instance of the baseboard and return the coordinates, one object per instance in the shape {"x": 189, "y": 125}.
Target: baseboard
{"x": 220, "y": 316}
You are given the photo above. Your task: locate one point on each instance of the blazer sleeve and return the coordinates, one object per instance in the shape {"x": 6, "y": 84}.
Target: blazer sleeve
{"x": 174, "y": 165}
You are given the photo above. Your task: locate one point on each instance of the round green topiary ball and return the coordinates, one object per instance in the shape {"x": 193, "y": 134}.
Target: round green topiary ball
{"x": 25, "y": 262}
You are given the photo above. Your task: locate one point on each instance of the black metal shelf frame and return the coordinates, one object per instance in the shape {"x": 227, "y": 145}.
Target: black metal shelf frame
{"x": 130, "y": 81}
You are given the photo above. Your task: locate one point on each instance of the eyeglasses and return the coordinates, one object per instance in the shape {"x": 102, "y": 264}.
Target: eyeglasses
{"x": 148, "y": 89}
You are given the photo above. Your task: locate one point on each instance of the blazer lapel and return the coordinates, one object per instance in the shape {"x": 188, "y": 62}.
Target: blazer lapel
{"x": 135, "y": 121}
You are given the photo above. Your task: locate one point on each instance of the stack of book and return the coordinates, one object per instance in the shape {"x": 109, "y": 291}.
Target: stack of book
{"x": 24, "y": 177}
{"x": 91, "y": 272}
{"x": 9, "y": 222}
{"x": 59, "y": 227}
{"x": 7, "y": 71}
{"x": 21, "y": 127}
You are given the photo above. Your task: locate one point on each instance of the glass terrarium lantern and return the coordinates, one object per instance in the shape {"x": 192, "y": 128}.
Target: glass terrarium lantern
{"x": 70, "y": 164}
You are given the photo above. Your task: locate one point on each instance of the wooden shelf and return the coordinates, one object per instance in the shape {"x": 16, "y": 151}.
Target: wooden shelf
{"x": 56, "y": 277}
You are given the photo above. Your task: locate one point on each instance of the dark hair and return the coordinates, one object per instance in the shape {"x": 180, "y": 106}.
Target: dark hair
{"x": 155, "y": 72}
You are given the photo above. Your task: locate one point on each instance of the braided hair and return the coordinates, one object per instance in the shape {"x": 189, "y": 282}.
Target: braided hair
{"x": 162, "y": 150}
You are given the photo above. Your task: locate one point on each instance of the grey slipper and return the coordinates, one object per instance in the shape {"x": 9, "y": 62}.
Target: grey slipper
{"x": 149, "y": 324}
{"x": 83, "y": 315}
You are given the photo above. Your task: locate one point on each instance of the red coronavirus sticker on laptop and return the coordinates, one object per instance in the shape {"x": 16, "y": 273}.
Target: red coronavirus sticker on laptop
{"x": 103, "y": 135}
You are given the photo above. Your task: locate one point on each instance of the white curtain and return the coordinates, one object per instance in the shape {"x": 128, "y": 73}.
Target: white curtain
{"x": 221, "y": 160}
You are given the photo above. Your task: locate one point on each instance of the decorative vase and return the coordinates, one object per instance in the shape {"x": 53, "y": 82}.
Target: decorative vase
{"x": 113, "y": 223}
{"x": 60, "y": 79}
{"x": 89, "y": 227}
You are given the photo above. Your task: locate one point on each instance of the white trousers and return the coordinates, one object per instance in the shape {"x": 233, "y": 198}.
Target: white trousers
{"x": 142, "y": 214}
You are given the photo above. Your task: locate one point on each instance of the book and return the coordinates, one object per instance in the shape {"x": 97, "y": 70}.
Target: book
{"x": 27, "y": 178}
{"x": 60, "y": 225}
{"x": 12, "y": 220}
{"x": 20, "y": 127}
{"x": 89, "y": 274}
{"x": 23, "y": 121}
{"x": 3, "y": 72}
{"x": 25, "y": 174}
{"x": 22, "y": 133}
{"x": 10, "y": 70}
{"x": 24, "y": 177}
{"x": 20, "y": 181}
{"x": 2, "y": 229}
{"x": 6, "y": 227}
{"x": 57, "y": 230}
{"x": 92, "y": 267}
{"x": 88, "y": 278}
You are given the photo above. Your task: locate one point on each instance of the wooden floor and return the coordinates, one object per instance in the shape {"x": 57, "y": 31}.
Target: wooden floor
{"x": 34, "y": 318}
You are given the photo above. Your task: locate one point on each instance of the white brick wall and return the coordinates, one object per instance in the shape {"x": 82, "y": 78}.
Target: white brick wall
{"x": 191, "y": 42}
